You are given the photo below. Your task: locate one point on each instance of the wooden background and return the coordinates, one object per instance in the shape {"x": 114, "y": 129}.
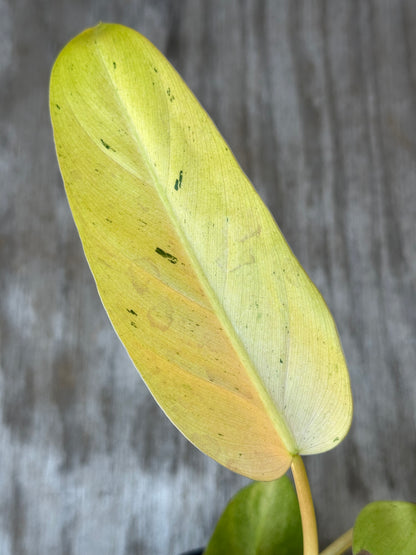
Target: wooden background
{"x": 317, "y": 100}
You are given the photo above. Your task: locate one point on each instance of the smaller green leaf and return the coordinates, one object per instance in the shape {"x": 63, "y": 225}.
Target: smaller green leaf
{"x": 262, "y": 519}
{"x": 386, "y": 528}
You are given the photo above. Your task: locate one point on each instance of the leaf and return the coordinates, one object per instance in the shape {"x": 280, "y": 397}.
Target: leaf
{"x": 262, "y": 519}
{"x": 386, "y": 528}
{"x": 230, "y": 335}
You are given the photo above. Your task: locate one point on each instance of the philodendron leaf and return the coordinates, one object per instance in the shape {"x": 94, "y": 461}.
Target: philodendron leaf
{"x": 262, "y": 519}
{"x": 386, "y": 528}
{"x": 230, "y": 335}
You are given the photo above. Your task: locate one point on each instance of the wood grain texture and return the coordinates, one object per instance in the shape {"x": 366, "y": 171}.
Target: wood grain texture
{"x": 317, "y": 100}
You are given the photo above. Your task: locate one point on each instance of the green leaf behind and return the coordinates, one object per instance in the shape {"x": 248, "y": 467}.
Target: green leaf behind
{"x": 262, "y": 519}
{"x": 386, "y": 528}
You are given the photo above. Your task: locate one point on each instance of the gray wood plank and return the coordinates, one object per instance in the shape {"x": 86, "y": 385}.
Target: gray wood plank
{"x": 317, "y": 100}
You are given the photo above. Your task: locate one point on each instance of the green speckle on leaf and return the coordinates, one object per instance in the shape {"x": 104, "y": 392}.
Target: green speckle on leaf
{"x": 172, "y": 259}
{"x": 114, "y": 65}
{"x": 133, "y": 324}
{"x": 178, "y": 182}
{"x": 336, "y": 439}
{"x": 131, "y": 311}
{"x": 106, "y": 145}
{"x": 57, "y": 105}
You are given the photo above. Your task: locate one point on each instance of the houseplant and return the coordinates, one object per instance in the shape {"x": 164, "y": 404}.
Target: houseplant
{"x": 232, "y": 338}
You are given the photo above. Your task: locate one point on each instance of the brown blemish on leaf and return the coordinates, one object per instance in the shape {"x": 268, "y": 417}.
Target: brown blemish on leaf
{"x": 142, "y": 285}
{"x": 251, "y": 260}
{"x": 254, "y": 233}
{"x": 160, "y": 315}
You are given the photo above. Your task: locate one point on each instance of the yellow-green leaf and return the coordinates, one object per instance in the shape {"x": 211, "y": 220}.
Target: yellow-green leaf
{"x": 386, "y": 528}
{"x": 230, "y": 335}
{"x": 263, "y": 519}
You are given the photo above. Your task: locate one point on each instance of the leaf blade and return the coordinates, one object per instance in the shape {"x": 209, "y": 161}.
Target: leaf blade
{"x": 261, "y": 518}
{"x": 174, "y": 232}
{"x": 386, "y": 528}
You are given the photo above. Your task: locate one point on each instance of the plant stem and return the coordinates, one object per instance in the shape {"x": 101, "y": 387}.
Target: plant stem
{"x": 340, "y": 545}
{"x": 307, "y": 511}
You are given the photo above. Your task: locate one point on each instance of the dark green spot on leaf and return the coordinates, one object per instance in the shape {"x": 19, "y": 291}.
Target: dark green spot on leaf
{"x": 172, "y": 259}
{"x": 178, "y": 182}
{"x": 106, "y": 145}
